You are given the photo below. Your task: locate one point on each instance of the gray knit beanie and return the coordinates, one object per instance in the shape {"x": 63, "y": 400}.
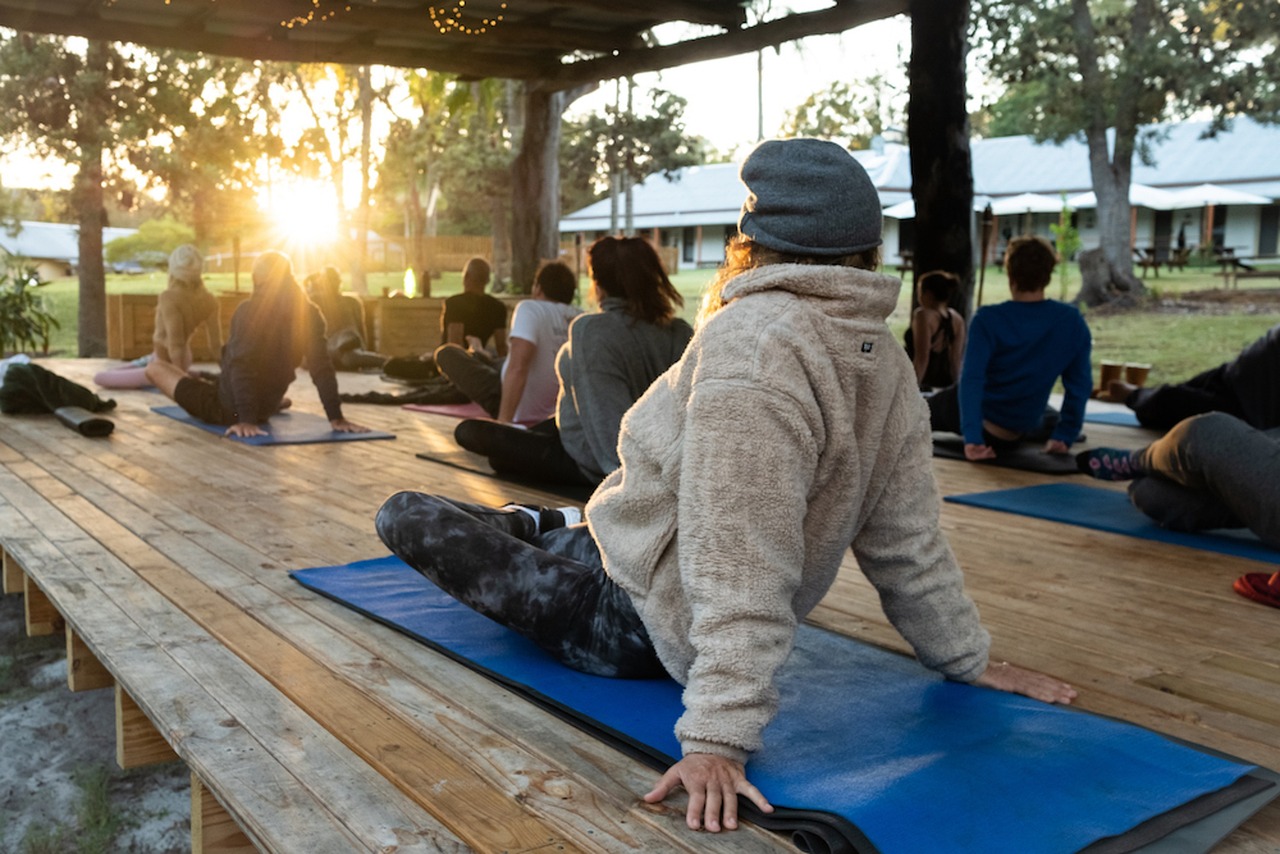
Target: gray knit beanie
{"x": 809, "y": 197}
{"x": 186, "y": 264}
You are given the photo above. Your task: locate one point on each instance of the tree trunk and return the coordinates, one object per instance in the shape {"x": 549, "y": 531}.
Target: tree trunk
{"x": 501, "y": 238}
{"x": 535, "y": 183}
{"x": 938, "y": 134}
{"x": 359, "y": 278}
{"x": 535, "y": 186}
{"x": 91, "y": 214}
{"x": 1111, "y": 167}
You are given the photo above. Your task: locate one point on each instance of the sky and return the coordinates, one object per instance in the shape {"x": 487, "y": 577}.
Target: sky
{"x": 722, "y": 93}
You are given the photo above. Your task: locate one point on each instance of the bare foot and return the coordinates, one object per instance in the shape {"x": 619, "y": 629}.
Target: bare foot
{"x": 1018, "y": 680}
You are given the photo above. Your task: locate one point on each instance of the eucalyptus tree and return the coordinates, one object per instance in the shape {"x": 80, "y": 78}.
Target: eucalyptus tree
{"x": 1105, "y": 70}
{"x": 79, "y": 102}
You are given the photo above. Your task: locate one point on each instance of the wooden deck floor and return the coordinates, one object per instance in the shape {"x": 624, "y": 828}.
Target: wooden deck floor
{"x": 1149, "y": 633}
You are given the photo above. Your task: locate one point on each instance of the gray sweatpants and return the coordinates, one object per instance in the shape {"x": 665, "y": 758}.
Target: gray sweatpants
{"x": 1212, "y": 471}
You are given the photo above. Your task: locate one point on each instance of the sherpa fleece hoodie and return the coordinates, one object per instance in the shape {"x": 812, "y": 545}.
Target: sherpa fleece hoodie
{"x": 790, "y": 429}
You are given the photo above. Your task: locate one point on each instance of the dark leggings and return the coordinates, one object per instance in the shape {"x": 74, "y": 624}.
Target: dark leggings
{"x": 1212, "y": 471}
{"x": 534, "y": 454}
{"x": 944, "y": 417}
{"x": 551, "y": 588}
{"x": 1162, "y": 407}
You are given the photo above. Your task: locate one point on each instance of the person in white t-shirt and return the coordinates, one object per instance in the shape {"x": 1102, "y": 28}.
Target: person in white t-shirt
{"x": 524, "y": 390}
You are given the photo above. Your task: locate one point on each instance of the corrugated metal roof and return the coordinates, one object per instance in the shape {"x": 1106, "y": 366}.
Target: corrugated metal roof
{"x": 1242, "y": 157}
{"x": 52, "y": 240}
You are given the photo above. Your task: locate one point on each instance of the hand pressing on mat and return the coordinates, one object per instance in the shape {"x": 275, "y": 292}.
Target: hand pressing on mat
{"x": 1004, "y": 676}
{"x": 713, "y": 783}
{"x": 342, "y": 425}
{"x": 245, "y": 430}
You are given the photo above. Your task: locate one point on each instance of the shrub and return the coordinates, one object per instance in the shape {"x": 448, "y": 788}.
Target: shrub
{"x": 151, "y": 244}
{"x": 24, "y": 320}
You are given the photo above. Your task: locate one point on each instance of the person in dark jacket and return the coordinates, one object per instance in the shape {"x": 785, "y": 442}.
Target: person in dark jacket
{"x": 272, "y": 334}
{"x": 1247, "y": 387}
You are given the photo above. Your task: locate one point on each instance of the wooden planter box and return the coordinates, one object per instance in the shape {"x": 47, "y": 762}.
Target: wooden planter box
{"x": 131, "y": 323}
{"x": 410, "y": 327}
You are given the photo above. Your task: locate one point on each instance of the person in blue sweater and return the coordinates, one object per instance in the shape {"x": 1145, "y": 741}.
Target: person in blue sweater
{"x": 272, "y": 334}
{"x": 1016, "y": 351}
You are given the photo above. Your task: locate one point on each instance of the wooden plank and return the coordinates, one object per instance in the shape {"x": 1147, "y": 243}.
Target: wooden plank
{"x": 12, "y": 573}
{"x": 213, "y": 830}
{"x": 592, "y": 816}
{"x": 84, "y": 671}
{"x": 257, "y": 747}
{"x": 42, "y": 618}
{"x": 1113, "y": 615}
{"x": 138, "y": 742}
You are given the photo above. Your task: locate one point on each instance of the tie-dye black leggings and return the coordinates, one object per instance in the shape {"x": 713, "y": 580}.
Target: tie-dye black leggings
{"x": 550, "y": 588}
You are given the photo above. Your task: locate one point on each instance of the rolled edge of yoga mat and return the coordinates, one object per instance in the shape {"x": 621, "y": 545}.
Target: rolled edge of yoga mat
{"x": 84, "y": 422}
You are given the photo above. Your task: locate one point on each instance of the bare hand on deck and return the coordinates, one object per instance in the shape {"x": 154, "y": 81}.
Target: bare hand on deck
{"x": 342, "y": 425}
{"x": 713, "y": 784}
{"x": 1018, "y": 680}
{"x": 245, "y": 430}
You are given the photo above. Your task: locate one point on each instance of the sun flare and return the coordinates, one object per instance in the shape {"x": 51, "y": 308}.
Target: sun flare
{"x": 304, "y": 212}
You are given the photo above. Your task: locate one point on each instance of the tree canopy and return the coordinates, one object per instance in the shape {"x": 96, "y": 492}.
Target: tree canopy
{"x": 851, "y": 113}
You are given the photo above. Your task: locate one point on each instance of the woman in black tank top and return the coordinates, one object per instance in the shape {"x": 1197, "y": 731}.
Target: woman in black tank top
{"x": 938, "y": 362}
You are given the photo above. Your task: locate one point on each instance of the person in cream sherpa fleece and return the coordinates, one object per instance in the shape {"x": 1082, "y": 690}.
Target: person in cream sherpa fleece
{"x": 791, "y": 429}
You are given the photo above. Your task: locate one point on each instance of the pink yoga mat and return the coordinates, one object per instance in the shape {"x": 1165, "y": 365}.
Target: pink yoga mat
{"x": 457, "y": 410}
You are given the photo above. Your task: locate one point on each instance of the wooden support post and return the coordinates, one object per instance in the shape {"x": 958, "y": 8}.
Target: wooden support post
{"x": 12, "y": 573}
{"x": 213, "y": 830}
{"x": 84, "y": 671}
{"x": 138, "y": 742}
{"x": 42, "y": 618}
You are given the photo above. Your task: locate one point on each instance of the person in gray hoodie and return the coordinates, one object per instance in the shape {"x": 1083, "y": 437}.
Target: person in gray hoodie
{"x": 790, "y": 430}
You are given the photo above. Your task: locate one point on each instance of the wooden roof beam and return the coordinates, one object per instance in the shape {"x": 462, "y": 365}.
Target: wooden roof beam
{"x": 355, "y": 51}
{"x": 845, "y": 16}
{"x": 729, "y": 15}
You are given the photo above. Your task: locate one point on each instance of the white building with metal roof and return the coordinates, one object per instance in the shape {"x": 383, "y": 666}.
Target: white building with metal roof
{"x": 53, "y": 248}
{"x": 698, "y": 211}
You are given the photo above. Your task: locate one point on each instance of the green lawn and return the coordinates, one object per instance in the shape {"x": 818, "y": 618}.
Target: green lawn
{"x": 1177, "y": 346}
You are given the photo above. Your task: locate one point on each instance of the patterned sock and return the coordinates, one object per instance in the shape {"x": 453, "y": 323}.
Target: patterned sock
{"x": 1107, "y": 464}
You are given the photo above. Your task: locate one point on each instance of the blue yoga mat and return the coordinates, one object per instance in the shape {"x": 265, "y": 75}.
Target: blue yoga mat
{"x": 869, "y": 750}
{"x": 284, "y": 428}
{"x": 1122, "y": 417}
{"x": 1108, "y": 510}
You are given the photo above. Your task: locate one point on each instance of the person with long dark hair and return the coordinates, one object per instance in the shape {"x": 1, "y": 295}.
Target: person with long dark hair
{"x": 609, "y": 361}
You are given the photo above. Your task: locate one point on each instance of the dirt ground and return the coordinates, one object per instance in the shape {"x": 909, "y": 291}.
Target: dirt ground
{"x": 1215, "y": 301}
{"x": 52, "y": 739}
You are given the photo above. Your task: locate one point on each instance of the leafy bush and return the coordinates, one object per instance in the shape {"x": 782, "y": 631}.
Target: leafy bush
{"x": 151, "y": 244}
{"x": 24, "y": 319}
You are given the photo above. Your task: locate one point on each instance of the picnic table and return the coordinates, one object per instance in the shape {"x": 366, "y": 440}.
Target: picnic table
{"x": 1233, "y": 267}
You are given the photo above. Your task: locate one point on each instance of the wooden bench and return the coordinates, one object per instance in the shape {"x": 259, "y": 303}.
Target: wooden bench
{"x": 165, "y": 550}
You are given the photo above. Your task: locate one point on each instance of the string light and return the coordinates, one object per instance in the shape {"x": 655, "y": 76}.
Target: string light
{"x": 446, "y": 19}
{"x": 453, "y": 20}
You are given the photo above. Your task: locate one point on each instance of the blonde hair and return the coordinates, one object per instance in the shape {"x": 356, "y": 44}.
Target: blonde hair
{"x": 742, "y": 253}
